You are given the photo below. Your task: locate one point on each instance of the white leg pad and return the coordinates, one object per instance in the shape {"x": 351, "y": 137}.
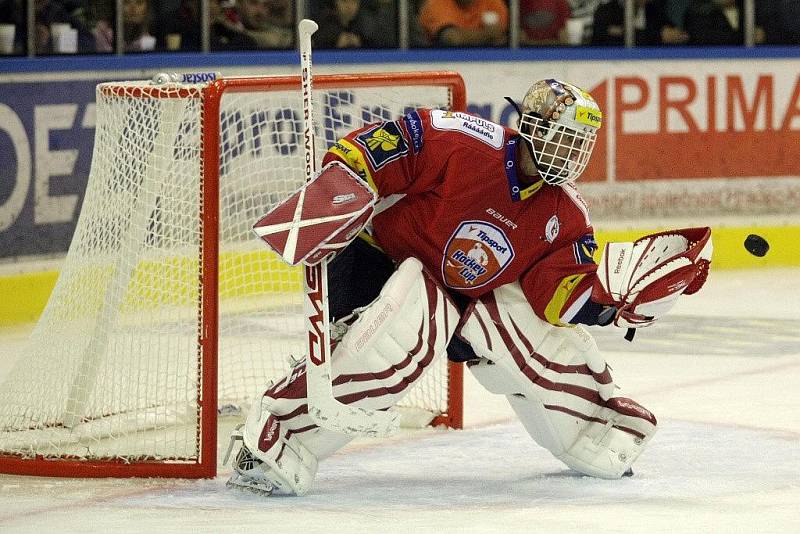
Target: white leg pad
{"x": 381, "y": 356}
{"x": 557, "y": 383}
{"x": 289, "y": 464}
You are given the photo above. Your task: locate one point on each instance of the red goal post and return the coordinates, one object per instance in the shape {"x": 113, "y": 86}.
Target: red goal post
{"x": 158, "y": 322}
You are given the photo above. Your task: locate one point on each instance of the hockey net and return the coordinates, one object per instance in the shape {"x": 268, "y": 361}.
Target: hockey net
{"x": 168, "y": 310}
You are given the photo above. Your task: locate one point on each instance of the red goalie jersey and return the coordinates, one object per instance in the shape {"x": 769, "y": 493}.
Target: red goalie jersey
{"x": 453, "y": 197}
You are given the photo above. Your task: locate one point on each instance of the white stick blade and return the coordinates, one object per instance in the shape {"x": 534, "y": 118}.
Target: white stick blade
{"x": 307, "y": 27}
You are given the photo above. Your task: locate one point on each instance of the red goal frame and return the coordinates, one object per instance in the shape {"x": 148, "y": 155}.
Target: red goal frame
{"x": 206, "y": 465}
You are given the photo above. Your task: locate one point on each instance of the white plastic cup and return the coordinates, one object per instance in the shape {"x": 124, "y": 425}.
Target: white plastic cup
{"x": 147, "y": 42}
{"x": 575, "y": 29}
{"x": 7, "y": 32}
{"x": 57, "y": 28}
{"x": 490, "y": 18}
{"x": 173, "y": 41}
{"x": 66, "y": 41}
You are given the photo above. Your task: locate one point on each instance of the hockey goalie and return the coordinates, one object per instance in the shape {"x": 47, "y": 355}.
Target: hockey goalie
{"x": 451, "y": 236}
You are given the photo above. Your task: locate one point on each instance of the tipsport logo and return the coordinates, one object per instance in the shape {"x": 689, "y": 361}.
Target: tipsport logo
{"x": 475, "y": 254}
{"x": 589, "y": 116}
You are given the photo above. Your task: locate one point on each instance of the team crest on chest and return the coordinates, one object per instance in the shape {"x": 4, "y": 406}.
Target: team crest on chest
{"x": 476, "y": 254}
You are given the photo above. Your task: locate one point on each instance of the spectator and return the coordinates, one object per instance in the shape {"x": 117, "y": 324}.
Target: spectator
{"x": 136, "y": 21}
{"x": 13, "y": 12}
{"x": 417, "y": 36}
{"x": 281, "y": 13}
{"x": 47, "y": 14}
{"x": 382, "y": 17}
{"x": 100, "y": 19}
{"x": 714, "y": 22}
{"x": 651, "y": 25}
{"x": 345, "y": 25}
{"x": 780, "y": 20}
{"x": 226, "y": 35}
{"x": 583, "y": 8}
{"x": 261, "y": 21}
{"x": 465, "y": 22}
{"x": 180, "y": 28}
{"x": 544, "y": 22}
{"x": 675, "y": 11}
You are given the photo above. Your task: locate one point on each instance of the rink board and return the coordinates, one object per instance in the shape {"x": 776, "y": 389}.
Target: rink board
{"x": 25, "y": 294}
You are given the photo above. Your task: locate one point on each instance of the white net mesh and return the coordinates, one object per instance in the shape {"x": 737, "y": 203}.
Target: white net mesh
{"x": 113, "y": 369}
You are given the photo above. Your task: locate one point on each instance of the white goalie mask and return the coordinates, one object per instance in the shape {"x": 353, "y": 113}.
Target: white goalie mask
{"x": 560, "y": 122}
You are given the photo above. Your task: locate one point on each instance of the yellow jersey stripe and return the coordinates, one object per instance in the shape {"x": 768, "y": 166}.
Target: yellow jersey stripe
{"x": 528, "y": 191}
{"x": 560, "y": 297}
{"x": 354, "y": 159}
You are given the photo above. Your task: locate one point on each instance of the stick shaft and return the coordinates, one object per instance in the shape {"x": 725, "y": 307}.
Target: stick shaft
{"x": 323, "y": 407}
{"x": 315, "y": 281}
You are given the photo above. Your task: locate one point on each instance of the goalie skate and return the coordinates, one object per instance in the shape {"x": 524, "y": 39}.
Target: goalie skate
{"x": 249, "y": 473}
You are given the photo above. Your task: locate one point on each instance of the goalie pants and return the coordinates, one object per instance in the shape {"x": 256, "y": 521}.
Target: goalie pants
{"x": 355, "y": 278}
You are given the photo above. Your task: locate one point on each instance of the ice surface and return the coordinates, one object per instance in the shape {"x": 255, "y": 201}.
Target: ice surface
{"x": 722, "y": 374}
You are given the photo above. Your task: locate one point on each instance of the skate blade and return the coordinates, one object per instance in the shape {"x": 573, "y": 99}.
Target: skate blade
{"x": 254, "y": 487}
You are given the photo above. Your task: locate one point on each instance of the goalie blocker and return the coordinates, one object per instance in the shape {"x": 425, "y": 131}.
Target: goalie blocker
{"x": 320, "y": 218}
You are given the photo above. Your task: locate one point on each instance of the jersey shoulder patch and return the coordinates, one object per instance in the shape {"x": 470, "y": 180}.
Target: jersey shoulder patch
{"x": 481, "y": 129}
{"x": 354, "y": 159}
{"x": 415, "y": 129}
{"x": 383, "y": 143}
{"x": 584, "y": 248}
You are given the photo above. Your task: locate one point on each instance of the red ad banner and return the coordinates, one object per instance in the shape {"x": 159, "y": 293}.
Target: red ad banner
{"x": 671, "y": 119}
{"x": 706, "y": 127}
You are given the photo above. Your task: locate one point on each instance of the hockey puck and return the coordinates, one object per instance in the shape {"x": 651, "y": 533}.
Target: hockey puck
{"x": 756, "y": 245}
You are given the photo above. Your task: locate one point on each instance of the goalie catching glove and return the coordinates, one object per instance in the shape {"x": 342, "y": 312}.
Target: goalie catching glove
{"x": 643, "y": 279}
{"x": 319, "y": 219}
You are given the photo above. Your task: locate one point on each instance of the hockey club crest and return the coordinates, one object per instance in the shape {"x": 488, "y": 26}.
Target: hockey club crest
{"x": 476, "y": 254}
{"x": 383, "y": 143}
{"x": 552, "y": 228}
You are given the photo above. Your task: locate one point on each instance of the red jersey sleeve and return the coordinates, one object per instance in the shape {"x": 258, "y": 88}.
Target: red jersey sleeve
{"x": 559, "y": 286}
{"x": 390, "y": 156}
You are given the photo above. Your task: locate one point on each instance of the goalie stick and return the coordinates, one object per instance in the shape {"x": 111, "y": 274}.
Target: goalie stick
{"x": 323, "y": 407}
